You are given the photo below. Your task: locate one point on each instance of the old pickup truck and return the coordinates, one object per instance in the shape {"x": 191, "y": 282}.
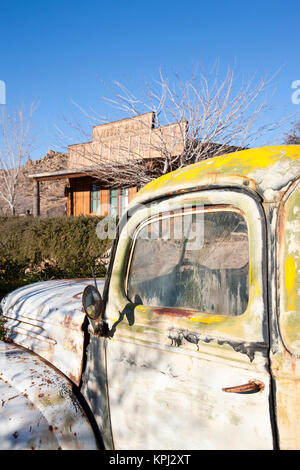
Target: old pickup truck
{"x": 192, "y": 342}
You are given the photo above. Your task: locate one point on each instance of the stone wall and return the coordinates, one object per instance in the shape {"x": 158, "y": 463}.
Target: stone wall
{"x": 52, "y": 192}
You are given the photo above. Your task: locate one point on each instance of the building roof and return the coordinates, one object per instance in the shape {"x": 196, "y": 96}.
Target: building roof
{"x": 265, "y": 170}
{"x": 70, "y": 172}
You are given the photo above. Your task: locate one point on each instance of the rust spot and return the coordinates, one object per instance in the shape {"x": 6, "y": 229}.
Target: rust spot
{"x": 67, "y": 320}
{"x": 12, "y": 398}
{"x": 173, "y": 312}
{"x": 78, "y": 296}
{"x": 41, "y": 395}
{"x": 51, "y": 428}
{"x": 253, "y": 386}
{"x": 293, "y": 363}
{"x": 74, "y": 378}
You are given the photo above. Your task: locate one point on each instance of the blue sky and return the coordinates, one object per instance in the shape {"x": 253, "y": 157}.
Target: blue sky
{"x": 56, "y": 51}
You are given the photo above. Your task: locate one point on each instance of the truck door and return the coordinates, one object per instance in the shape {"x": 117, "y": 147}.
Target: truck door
{"x": 187, "y": 358}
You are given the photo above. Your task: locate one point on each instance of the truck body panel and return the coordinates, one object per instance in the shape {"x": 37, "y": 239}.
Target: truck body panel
{"x": 201, "y": 345}
{"x": 47, "y": 318}
{"x": 184, "y": 357}
{"x": 38, "y": 407}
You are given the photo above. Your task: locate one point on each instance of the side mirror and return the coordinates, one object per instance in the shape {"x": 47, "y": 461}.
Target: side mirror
{"x": 92, "y": 302}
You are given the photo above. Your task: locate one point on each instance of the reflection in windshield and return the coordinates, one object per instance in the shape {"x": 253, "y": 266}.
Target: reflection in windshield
{"x": 209, "y": 273}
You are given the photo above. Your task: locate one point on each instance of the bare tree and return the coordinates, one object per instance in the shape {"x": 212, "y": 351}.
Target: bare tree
{"x": 294, "y": 136}
{"x": 16, "y": 143}
{"x": 213, "y": 116}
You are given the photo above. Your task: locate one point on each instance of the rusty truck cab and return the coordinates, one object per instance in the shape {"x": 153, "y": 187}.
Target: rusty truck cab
{"x": 204, "y": 332}
{"x": 197, "y": 342}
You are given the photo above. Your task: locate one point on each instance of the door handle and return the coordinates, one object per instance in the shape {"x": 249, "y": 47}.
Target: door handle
{"x": 253, "y": 386}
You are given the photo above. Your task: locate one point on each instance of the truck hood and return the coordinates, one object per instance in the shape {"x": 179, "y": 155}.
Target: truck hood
{"x": 38, "y": 407}
{"x": 47, "y": 318}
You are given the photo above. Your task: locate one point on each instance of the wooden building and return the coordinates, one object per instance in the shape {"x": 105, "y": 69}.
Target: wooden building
{"x": 120, "y": 141}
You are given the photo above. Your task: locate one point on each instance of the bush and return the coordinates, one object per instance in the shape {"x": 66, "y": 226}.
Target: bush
{"x": 33, "y": 249}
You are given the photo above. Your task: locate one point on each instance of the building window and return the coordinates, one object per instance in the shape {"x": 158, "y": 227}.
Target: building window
{"x": 118, "y": 201}
{"x": 123, "y": 201}
{"x": 114, "y": 202}
{"x": 95, "y": 199}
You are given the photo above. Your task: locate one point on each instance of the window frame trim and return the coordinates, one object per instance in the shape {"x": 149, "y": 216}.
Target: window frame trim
{"x": 94, "y": 199}
{"x": 118, "y": 197}
{"x": 253, "y": 326}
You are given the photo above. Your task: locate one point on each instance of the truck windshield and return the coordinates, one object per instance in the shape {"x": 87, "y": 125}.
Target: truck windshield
{"x": 197, "y": 260}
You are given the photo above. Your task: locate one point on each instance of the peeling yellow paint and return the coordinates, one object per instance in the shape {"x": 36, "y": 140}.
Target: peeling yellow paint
{"x": 257, "y": 289}
{"x": 260, "y": 169}
{"x": 290, "y": 273}
{"x": 290, "y": 279}
{"x": 207, "y": 319}
{"x": 286, "y": 362}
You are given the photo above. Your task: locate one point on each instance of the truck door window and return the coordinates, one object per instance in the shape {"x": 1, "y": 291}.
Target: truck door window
{"x": 210, "y": 274}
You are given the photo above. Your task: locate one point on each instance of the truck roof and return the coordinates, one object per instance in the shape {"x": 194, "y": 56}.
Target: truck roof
{"x": 266, "y": 170}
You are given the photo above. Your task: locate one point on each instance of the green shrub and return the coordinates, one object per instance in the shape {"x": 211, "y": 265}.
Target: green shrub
{"x": 33, "y": 249}
{"x": 2, "y": 329}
